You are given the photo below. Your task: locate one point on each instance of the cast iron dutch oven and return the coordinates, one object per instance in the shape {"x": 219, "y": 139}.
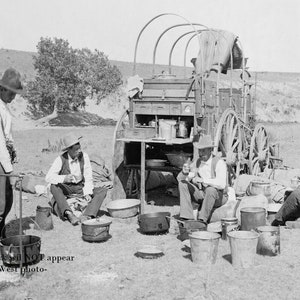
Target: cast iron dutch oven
{"x": 158, "y": 222}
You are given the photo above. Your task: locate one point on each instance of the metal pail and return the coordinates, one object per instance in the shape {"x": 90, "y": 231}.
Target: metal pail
{"x": 204, "y": 247}
{"x": 252, "y": 217}
{"x": 243, "y": 248}
{"x": 269, "y": 240}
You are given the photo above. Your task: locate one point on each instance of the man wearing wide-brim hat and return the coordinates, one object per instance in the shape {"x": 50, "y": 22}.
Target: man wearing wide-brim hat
{"x": 10, "y": 85}
{"x": 71, "y": 176}
{"x": 202, "y": 183}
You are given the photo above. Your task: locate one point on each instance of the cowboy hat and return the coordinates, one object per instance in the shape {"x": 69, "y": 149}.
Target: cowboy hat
{"x": 203, "y": 142}
{"x": 11, "y": 80}
{"x": 70, "y": 140}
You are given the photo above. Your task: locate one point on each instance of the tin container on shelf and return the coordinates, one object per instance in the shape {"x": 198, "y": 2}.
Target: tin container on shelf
{"x": 182, "y": 131}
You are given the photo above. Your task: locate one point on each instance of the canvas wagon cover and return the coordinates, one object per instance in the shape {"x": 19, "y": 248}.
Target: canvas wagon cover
{"x": 214, "y": 52}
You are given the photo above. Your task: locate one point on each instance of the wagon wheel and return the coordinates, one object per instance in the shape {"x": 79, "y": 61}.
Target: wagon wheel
{"x": 120, "y": 173}
{"x": 259, "y": 153}
{"x": 228, "y": 141}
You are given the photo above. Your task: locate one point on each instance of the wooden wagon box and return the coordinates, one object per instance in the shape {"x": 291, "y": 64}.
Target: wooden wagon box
{"x": 140, "y": 133}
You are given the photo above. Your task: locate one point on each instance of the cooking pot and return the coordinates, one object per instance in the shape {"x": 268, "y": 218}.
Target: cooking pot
{"x": 11, "y": 253}
{"x": 158, "y": 222}
{"x": 95, "y": 230}
{"x": 257, "y": 187}
{"x": 189, "y": 226}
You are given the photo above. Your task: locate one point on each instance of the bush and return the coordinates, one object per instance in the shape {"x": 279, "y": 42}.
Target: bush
{"x": 66, "y": 77}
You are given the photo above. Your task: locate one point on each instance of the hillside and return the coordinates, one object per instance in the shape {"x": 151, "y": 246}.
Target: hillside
{"x": 277, "y": 94}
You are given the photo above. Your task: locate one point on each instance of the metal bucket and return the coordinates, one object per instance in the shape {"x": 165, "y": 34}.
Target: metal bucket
{"x": 243, "y": 248}
{"x": 95, "y": 230}
{"x": 11, "y": 253}
{"x": 43, "y": 218}
{"x": 158, "y": 222}
{"x": 204, "y": 247}
{"x": 252, "y": 217}
{"x": 167, "y": 129}
{"x": 269, "y": 240}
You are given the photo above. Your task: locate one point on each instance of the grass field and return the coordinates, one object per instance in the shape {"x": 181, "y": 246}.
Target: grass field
{"x": 110, "y": 270}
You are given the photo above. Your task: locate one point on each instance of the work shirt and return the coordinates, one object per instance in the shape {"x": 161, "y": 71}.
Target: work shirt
{"x": 220, "y": 180}
{"x": 5, "y": 136}
{"x": 53, "y": 176}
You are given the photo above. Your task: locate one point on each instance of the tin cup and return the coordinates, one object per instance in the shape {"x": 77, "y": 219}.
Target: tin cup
{"x": 228, "y": 224}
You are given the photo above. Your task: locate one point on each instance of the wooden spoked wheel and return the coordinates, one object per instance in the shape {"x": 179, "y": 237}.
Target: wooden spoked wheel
{"x": 259, "y": 153}
{"x": 120, "y": 174}
{"x": 228, "y": 143}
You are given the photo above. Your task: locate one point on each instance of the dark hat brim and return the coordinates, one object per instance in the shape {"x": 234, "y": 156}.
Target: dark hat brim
{"x": 17, "y": 91}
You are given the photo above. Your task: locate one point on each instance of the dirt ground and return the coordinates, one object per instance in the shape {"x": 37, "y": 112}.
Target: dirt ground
{"x": 110, "y": 270}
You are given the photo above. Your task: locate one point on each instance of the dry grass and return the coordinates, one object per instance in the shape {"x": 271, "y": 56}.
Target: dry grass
{"x": 111, "y": 271}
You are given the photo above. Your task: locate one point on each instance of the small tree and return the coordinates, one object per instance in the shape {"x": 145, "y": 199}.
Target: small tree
{"x": 66, "y": 77}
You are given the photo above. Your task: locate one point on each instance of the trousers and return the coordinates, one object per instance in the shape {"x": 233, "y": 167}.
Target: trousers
{"x": 62, "y": 190}
{"x": 6, "y": 199}
{"x": 290, "y": 209}
{"x": 207, "y": 199}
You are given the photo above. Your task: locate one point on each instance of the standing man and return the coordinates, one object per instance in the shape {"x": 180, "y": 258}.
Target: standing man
{"x": 10, "y": 85}
{"x": 71, "y": 175}
{"x": 203, "y": 182}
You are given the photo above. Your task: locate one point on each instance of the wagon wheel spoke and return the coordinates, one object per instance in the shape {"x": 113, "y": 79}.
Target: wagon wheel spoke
{"x": 237, "y": 142}
{"x": 223, "y": 150}
{"x": 229, "y": 141}
{"x": 259, "y": 150}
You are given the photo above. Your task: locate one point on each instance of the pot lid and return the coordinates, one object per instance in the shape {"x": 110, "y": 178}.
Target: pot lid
{"x": 150, "y": 250}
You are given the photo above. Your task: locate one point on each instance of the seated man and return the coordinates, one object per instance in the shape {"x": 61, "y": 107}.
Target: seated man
{"x": 203, "y": 182}
{"x": 290, "y": 209}
{"x": 71, "y": 175}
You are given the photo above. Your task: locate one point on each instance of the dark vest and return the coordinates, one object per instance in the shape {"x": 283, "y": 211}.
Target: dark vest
{"x": 65, "y": 168}
{"x": 214, "y": 162}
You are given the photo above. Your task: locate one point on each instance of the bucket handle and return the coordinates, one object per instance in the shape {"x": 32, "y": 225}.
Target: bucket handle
{"x": 1, "y": 234}
{"x": 172, "y": 218}
{"x": 41, "y": 232}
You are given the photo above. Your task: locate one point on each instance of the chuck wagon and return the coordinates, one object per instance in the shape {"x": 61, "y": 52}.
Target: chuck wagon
{"x": 168, "y": 111}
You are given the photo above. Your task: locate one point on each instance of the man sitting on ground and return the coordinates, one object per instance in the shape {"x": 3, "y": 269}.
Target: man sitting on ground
{"x": 203, "y": 182}
{"x": 71, "y": 175}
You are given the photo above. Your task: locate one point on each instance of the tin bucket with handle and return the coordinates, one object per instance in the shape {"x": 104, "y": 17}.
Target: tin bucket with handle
{"x": 204, "y": 247}
{"x": 243, "y": 248}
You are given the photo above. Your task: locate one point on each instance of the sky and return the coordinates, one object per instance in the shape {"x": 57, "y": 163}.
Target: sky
{"x": 267, "y": 29}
